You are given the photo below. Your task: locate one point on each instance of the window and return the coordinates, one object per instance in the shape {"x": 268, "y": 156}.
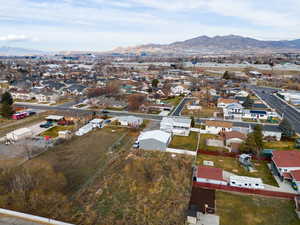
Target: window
{"x": 256, "y": 184}
{"x": 233, "y": 182}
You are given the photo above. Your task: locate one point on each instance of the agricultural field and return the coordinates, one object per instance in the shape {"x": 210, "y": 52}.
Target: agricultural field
{"x": 236, "y": 209}
{"x": 232, "y": 165}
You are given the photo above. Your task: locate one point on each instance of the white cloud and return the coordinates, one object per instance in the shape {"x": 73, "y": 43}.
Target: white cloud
{"x": 14, "y": 37}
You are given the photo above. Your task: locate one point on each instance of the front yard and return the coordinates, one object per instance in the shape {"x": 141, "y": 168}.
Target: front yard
{"x": 187, "y": 143}
{"x": 232, "y": 165}
{"x": 173, "y": 101}
{"x": 236, "y": 209}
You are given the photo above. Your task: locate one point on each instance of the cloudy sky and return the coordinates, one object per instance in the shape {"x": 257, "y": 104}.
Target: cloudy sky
{"x": 106, "y": 24}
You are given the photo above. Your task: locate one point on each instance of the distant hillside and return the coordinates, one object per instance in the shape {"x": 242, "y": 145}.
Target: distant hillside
{"x": 229, "y": 43}
{"x": 12, "y": 51}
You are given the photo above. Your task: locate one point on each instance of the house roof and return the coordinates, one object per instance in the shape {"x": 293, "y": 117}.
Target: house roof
{"x": 288, "y": 158}
{"x": 155, "y": 134}
{"x": 234, "y": 134}
{"x": 208, "y": 172}
{"x": 295, "y": 175}
{"x": 214, "y": 123}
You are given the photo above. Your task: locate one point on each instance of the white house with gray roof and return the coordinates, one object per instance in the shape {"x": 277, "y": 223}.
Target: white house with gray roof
{"x": 176, "y": 125}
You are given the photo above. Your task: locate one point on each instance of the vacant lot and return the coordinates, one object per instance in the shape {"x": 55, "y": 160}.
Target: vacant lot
{"x": 235, "y": 209}
{"x": 139, "y": 188}
{"x": 187, "y": 143}
{"x": 80, "y": 157}
{"x": 232, "y": 165}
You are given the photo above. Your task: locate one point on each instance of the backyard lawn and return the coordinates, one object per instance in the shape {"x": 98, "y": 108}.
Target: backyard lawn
{"x": 281, "y": 145}
{"x": 53, "y": 132}
{"x": 236, "y": 209}
{"x": 187, "y": 143}
{"x": 232, "y": 165}
{"x": 204, "y": 137}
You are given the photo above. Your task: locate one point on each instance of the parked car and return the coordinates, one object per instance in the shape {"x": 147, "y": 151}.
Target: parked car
{"x": 31, "y": 113}
{"x": 65, "y": 122}
{"x": 46, "y": 125}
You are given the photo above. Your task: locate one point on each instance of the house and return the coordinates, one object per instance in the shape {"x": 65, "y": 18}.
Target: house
{"x": 233, "y": 111}
{"x": 154, "y": 140}
{"x": 131, "y": 121}
{"x": 223, "y": 102}
{"x": 194, "y": 106}
{"x": 216, "y": 127}
{"x": 233, "y": 137}
{"x": 46, "y": 97}
{"x": 246, "y": 182}
{"x": 255, "y": 114}
{"x": 22, "y": 95}
{"x": 208, "y": 174}
{"x": 179, "y": 90}
{"x": 273, "y": 132}
{"x": 242, "y": 93}
{"x": 284, "y": 162}
{"x": 176, "y": 125}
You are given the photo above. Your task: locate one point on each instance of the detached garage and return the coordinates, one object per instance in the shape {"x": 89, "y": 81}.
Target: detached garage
{"x": 208, "y": 174}
{"x": 154, "y": 140}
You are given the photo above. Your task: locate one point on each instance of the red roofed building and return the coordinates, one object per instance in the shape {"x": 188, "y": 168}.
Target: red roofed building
{"x": 285, "y": 162}
{"x": 208, "y": 174}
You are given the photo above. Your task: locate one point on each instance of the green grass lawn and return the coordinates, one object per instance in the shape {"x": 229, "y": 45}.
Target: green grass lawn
{"x": 53, "y": 132}
{"x": 204, "y": 137}
{"x": 188, "y": 143}
{"x": 280, "y": 145}
{"x": 232, "y": 165}
{"x": 235, "y": 209}
{"x": 202, "y": 113}
{"x": 173, "y": 101}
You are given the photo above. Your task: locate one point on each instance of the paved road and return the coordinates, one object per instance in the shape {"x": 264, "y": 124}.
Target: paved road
{"x": 89, "y": 112}
{"x": 180, "y": 107}
{"x": 284, "y": 109}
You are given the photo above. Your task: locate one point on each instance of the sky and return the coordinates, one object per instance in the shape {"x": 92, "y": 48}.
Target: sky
{"x": 101, "y": 25}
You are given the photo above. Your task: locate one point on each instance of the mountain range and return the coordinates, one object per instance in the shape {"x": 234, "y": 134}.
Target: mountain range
{"x": 217, "y": 44}
{"x": 13, "y": 51}
{"x": 198, "y": 45}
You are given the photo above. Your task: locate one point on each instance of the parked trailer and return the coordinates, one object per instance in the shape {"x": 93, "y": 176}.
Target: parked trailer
{"x": 19, "y": 134}
{"x": 246, "y": 182}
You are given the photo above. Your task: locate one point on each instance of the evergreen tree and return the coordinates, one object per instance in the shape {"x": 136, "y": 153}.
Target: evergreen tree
{"x": 226, "y": 75}
{"x": 155, "y": 83}
{"x": 286, "y": 128}
{"x": 6, "y": 110}
{"x": 249, "y": 146}
{"x": 6, "y": 97}
{"x": 258, "y": 137}
{"x": 248, "y": 102}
